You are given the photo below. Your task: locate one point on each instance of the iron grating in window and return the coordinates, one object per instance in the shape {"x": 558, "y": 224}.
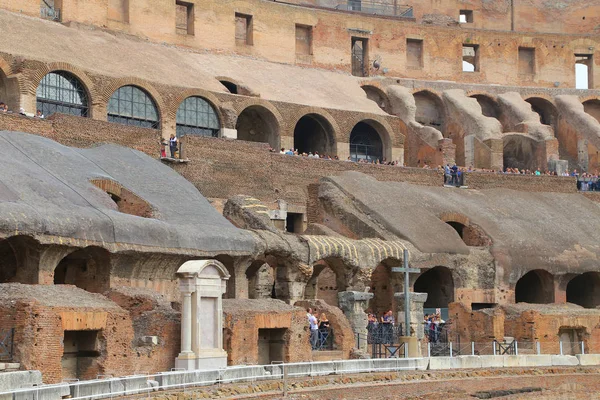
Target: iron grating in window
{"x": 62, "y": 92}
{"x": 130, "y": 105}
{"x": 365, "y": 146}
{"x": 196, "y": 116}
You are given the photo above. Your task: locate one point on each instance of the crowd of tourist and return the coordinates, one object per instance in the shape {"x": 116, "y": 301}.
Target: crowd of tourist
{"x": 432, "y": 325}
{"x": 4, "y": 110}
{"x": 382, "y": 329}
{"x": 320, "y": 329}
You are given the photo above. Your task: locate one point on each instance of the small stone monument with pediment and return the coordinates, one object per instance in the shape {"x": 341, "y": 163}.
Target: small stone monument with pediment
{"x": 202, "y": 284}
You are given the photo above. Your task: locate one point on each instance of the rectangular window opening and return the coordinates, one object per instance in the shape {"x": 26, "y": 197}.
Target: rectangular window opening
{"x": 271, "y": 345}
{"x": 470, "y": 58}
{"x": 184, "y": 17}
{"x": 526, "y": 61}
{"x": 360, "y": 56}
{"x": 294, "y": 223}
{"x": 414, "y": 53}
{"x": 243, "y": 29}
{"x": 304, "y": 47}
{"x": 584, "y": 71}
{"x": 465, "y": 17}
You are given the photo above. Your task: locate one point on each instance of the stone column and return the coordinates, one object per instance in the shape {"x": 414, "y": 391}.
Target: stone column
{"x": 417, "y": 300}
{"x": 186, "y": 358}
{"x": 413, "y": 336}
{"x": 354, "y": 304}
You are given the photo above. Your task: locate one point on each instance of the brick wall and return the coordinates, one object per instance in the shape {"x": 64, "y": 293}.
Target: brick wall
{"x": 221, "y": 168}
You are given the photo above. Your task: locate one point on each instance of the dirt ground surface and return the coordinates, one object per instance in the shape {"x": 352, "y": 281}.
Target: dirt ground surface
{"x": 556, "y": 383}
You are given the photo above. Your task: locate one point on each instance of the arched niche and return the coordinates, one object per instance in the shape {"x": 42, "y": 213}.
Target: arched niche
{"x": 520, "y": 152}
{"x": 314, "y": 134}
{"x": 584, "y": 290}
{"x": 258, "y": 124}
{"x": 379, "y": 97}
{"x": 535, "y": 287}
{"x": 87, "y": 268}
{"x": 430, "y": 110}
{"x": 438, "y": 283}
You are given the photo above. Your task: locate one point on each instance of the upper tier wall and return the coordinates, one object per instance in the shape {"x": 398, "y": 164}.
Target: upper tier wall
{"x": 268, "y": 30}
{"x": 221, "y": 168}
{"x": 573, "y": 16}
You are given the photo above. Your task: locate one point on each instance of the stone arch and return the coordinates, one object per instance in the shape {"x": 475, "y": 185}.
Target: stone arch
{"x": 375, "y": 130}
{"x": 19, "y": 259}
{"x": 438, "y": 283}
{"x": 584, "y": 290}
{"x": 489, "y": 105}
{"x": 87, "y": 268}
{"x": 546, "y": 110}
{"x": 173, "y": 106}
{"x": 430, "y": 109}
{"x": 379, "y": 96}
{"x": 261, "y": 278}
{"x": 520, "y": 152}
{"x": 471, "y": 234}
{"x": 314, "y": 132}
{"x": 10, "y": 86}
{"x": 535, "y": 287}
{"x": 36, "y": 76}
{"x": 592, "y": 107}
{"x": 107, "y": 91}
{"x": 257, "y": 123}
{"x": 384, "y": 284}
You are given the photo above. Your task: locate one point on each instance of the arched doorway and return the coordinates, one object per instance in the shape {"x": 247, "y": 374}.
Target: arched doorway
{"x": 489, "y": 106}
{"x": 438, "y": 283}
{"x": 9, "y": 265}
{"x": 261, "y": 280}
{"x": 592, "y": 107}
{"x": 584, "y": 290}
{"x": 314, "y": 134}
{"x": 430, "y": 110}
{"x": 520, "y": 152}
{"x": 535, "y": 287}
{"x": 366, "y": 143}
{"x": 379, "y": 97}
{"x": 88, "y": 269}
{"x": 258, "y": 124}
{"x": 384, "y": 284}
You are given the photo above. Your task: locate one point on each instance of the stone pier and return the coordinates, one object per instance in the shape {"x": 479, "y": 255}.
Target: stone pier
{"x": 354, "y": 304}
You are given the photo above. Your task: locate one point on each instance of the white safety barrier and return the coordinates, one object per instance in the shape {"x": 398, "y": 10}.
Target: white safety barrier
{"x": 148, "y": 383}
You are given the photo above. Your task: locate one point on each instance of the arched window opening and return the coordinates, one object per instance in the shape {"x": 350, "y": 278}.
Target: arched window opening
{"x": 230, "y": 86}
{"x": 379, "y": 97}
{"x": 88, "y": 269}
{"x": 439, "y": 285}
{"x": 489, "y": 107}
{"x": 62, "y": 92}
{"x": 130, "y": 105}
{"x": 430, "y": 110}
{"x": 584, "y": 290}
{"x": 261, "y": 280}
{"x": 365, "y": 143}
{"x": 519, "y": 152}
{"x": 535, "y": 287}
{"x": 258, "y": 124}
{"x": 471, "y": 234}
{"x": 196, "y": 116}
{"x": 314, "y": 134}
{"x": 592, "y": 107}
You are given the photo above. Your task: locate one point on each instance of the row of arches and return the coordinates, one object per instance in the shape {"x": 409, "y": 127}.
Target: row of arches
{"x": 538, "y": 287}
{"x": 62, "y": 91}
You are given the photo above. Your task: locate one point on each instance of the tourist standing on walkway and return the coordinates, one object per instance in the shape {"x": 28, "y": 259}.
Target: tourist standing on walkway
{"x": 314, "y": 331}
{"x": 173, "y": 145}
